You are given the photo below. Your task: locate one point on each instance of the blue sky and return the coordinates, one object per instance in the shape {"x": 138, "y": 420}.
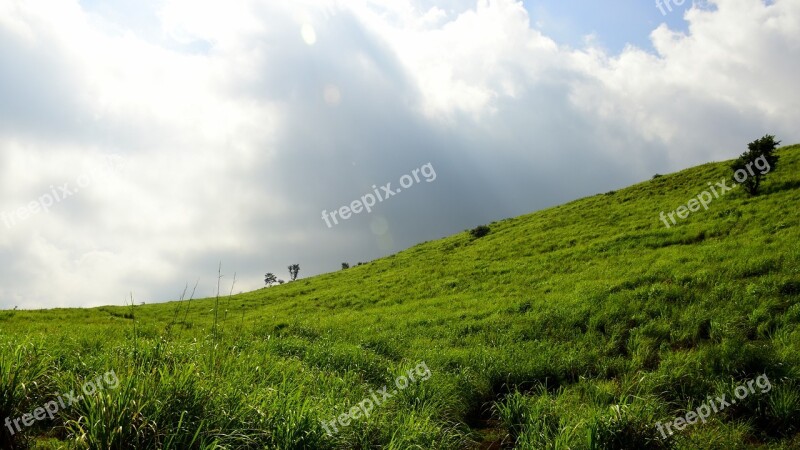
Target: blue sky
{"x": 615, "y": 23}
{"x": 143, "y": 142}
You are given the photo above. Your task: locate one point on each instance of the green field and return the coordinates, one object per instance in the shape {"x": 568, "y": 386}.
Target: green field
{"x": 577, "y": 327}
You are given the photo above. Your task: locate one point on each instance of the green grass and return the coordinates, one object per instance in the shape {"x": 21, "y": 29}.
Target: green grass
{"x": 576, "y": 327}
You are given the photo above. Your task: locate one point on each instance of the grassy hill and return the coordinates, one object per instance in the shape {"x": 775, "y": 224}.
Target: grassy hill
{"x": 584, "y": 326}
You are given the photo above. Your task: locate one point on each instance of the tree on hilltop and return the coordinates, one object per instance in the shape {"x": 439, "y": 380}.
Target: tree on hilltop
{"x": 294, "y": 269}
{"x": 759, "y": 154}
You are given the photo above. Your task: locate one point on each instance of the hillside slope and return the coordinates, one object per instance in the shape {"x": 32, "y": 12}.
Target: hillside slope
{"x": 584, "y": 326}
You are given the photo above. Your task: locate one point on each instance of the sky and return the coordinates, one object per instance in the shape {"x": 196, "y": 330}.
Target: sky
{"x": 145, "y": 142}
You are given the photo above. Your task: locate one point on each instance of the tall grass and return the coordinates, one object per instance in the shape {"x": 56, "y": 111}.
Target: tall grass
{"x": 25, "y": 372}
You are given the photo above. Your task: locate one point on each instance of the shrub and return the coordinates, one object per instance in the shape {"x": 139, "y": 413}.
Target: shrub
{"x": 479, "y": 232}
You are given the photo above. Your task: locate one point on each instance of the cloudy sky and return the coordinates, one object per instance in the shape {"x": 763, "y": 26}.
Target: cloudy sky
{"x": 143, "y": 142}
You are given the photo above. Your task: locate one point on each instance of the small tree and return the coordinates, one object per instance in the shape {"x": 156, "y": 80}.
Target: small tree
{"x": 345, "y": 266}
{"x": 759, "y": 154}
{"x": 281, "y": 282}
{"x": 294, "y": 269}
{"x": 270, "y": 279}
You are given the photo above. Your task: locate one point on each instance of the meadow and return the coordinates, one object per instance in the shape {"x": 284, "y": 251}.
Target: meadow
{"x": 577, "y": 327}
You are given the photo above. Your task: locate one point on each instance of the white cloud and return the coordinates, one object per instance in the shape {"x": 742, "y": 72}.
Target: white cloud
{"x": 466, "y": 63}
{"x": 732, "y": 72}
